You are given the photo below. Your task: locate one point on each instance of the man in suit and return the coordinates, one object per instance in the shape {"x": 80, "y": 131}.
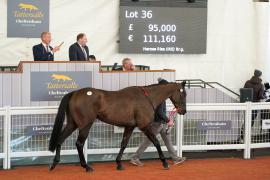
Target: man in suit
{"x": 79, "y": 50}
{"x": 43, "y": 51}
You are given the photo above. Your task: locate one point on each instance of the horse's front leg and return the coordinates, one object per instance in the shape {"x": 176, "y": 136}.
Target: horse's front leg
{"x": 126, "y": 136}
{"x": 148, "y": 132}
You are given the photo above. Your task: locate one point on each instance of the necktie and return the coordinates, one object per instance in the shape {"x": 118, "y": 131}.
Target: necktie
{"x": 47, "y": 49}
{"x": 84, "y": 52}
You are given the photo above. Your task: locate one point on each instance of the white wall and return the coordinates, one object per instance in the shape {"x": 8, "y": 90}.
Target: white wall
{"x": 237, "y": 39}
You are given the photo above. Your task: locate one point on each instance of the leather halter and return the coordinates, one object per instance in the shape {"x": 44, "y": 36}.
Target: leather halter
{"x": 146, "y": 94}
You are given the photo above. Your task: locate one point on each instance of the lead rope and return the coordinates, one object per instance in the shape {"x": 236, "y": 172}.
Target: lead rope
{"x": 171, "y": 115}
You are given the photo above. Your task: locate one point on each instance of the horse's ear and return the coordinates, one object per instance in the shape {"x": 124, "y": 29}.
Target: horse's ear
{"x": 183, "y": 83}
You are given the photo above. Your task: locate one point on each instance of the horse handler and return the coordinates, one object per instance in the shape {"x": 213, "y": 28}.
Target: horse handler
{"x": 160, "y": 124}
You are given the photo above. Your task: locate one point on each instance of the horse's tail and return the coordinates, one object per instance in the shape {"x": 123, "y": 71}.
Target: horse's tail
{"x": 59, "y": 121}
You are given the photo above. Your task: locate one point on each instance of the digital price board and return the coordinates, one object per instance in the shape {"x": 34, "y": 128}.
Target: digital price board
{"x": 163, "y": 27}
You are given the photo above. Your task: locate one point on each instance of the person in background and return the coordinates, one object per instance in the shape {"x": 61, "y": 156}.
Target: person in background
{"x": 43, "y": 51}
{"x": 79, "y": 50}
{"x": 159, "y": 126}
{"x": 267, "y": 92}
{"x": 255, "y": 83}
{"x": 127, "y": 65}
{"x": 92, "y": 58}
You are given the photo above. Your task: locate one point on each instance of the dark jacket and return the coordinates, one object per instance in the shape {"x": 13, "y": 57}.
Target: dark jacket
{"x": 40, "y": 53}
{"x": 160, "y": 114}
{"x": 76, "y": 53}
{"x": 258, "y": 89}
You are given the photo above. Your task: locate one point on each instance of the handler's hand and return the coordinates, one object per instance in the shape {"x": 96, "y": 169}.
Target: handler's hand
{"x": 170, "y": 123}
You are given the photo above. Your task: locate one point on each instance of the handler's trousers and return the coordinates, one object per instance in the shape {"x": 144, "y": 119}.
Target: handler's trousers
{"x": 156, "y": 129}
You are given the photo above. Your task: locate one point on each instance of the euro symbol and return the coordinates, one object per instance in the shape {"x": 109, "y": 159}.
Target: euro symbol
{"x": 130, "y": 37}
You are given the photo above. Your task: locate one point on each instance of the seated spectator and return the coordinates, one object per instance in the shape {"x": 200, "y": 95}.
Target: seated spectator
{"x": 127, "y": 65}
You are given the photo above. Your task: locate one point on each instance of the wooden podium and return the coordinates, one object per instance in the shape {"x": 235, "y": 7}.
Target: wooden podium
{"x": 15, "y": 86}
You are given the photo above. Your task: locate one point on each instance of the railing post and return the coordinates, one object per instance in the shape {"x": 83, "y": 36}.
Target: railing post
{"x": 179, "y": 135}
{"x": 7, "y": 134}
{"x": 247, "y": 138}
{"x": 5, "y": 140}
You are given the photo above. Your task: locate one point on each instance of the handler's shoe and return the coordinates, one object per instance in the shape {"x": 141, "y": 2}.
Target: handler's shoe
{"x": 136, "y": 162}
{"x": 179, "y": 161}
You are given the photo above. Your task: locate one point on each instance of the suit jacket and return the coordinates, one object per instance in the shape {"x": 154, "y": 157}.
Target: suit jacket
{"x": 76, "y": 53}
{"x": 160, "y": 114}
{"x": 40, "y": 53}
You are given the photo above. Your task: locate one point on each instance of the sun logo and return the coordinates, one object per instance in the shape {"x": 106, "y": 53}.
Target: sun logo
{"x": 29, "y": 7}
{"x": 59, "y": 77}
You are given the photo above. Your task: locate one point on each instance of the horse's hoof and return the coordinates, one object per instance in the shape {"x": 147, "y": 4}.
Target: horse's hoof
{"x": 120, "y": 168}
{"x": 52, "y": 166}
{"x": 166, "y": 166}
{"x": 89, "y": 169}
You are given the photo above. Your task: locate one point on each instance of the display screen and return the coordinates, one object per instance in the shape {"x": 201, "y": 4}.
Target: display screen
{"x": 163, "y": 27}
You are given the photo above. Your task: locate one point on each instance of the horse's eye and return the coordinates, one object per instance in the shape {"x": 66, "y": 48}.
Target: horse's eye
{"x": 181, "y": 90}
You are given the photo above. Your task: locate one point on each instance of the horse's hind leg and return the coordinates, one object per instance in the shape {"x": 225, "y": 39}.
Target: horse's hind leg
{"x": 70, "y": 127}
{"x": 148, "y": 132}
{"x": 83, "y": 133}
{"x": 126, "y": 136}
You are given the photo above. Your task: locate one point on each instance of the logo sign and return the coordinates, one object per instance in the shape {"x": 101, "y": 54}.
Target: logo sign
{"x": 39, "y": 130}
{"x": 52, "y": 86}
{"x": 266, "y": 124}
{"x": 27, "y": 18}
{"x": 214, "y": 125}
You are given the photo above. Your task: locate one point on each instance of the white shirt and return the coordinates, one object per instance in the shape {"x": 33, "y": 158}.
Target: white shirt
{"x": 84, "y": 52}
{"x": 45, "y": 46}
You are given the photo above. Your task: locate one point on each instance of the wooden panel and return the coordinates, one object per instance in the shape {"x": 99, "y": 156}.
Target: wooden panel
{"x": 190, "y": 95}
{"x": 16, "y": 89}
{"x": 1, "y": 90}
{"x": 43, "y": 67}
{"x": 34, "y": 67}
{"x": 62, "y": 67}
{"x": 166, "y": 76}
{"x": 26, "y": 85}
{"x": 173, "y": 76}
{"x": 71, "y": 67}
{"x": 123, "y": 80}
{"x": 141, "y": 79}
{"x": 97, "y": 78}
{"x": 156, "y": 76}
{"x": 107, "y": 82}
{"x": 7, "y": 98}
{"x": 115, "y": 81}
{"x": 79, "y": 67}
{"x": 149, "y": 78}
{"x": 132, "y": 79}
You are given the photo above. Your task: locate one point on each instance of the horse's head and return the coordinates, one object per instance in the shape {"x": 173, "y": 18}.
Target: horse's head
{"x": 179, "y": 98}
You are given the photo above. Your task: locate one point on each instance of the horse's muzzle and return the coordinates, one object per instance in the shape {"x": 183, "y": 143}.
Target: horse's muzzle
{"x": 183, "y": 112}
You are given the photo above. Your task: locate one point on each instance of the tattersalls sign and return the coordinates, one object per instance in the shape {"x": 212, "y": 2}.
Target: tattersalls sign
{"x": 27, "y": 18}
{"x": 52, "y": 86}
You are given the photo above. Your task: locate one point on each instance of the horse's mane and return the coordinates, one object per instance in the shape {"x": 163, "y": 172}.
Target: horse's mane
{"x": 153, "y": 85}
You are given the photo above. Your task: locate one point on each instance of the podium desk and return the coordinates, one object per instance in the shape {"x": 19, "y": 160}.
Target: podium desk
{"x": 27, "y": 85}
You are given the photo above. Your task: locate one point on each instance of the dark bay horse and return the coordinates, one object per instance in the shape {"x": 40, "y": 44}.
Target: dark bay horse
{"x": 129, "y": 108}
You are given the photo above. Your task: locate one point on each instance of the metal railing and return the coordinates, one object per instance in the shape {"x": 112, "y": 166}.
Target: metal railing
{"x": 203, "y": 84}
{"x": 204, "y": 127}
